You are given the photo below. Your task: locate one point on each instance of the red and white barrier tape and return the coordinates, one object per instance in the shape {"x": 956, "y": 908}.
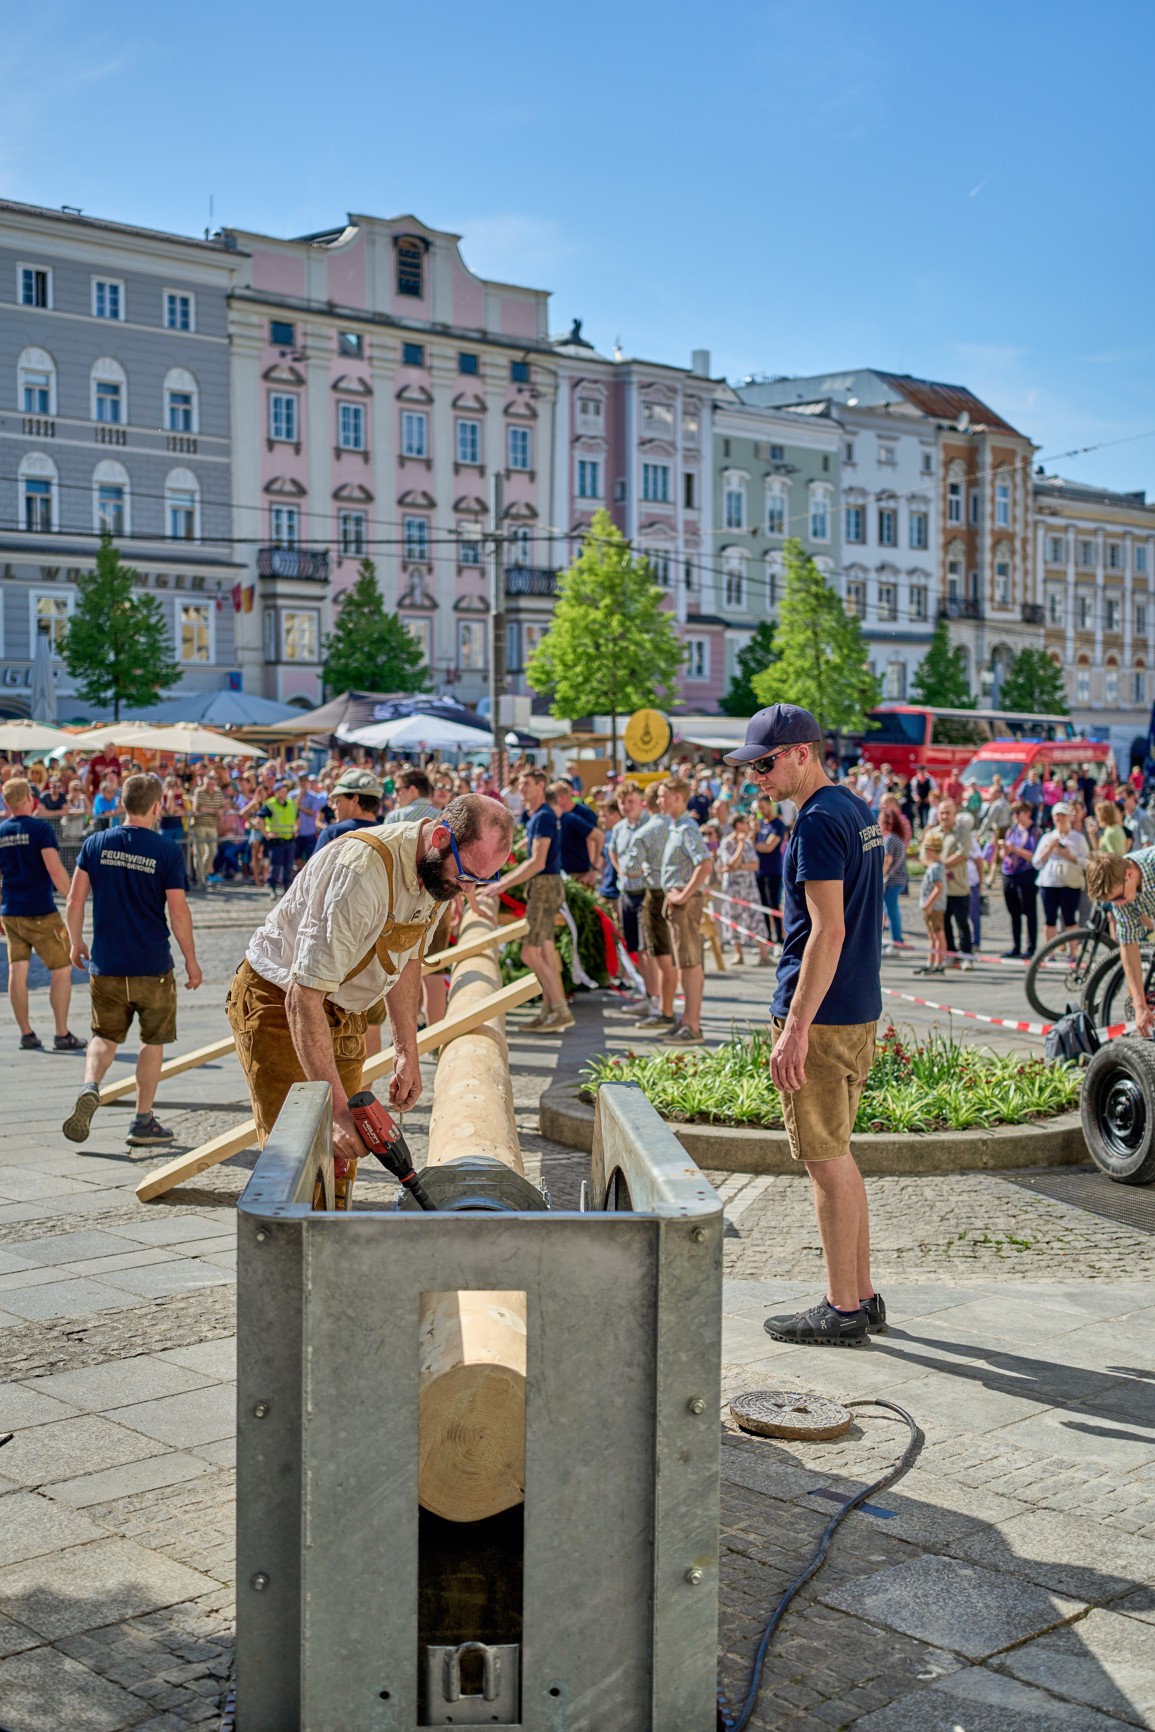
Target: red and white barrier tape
{"x": 1111, "y": 1033}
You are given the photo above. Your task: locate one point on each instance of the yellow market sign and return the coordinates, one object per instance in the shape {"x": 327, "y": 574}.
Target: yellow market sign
{"x": 648, "y": 736}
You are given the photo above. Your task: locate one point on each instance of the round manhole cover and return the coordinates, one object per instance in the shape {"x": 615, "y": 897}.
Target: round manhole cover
{"x": 790, "y": 1413}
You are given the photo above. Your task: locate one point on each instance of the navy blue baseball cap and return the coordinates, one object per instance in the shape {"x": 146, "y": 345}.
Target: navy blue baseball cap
{"x": 776, "y": 726}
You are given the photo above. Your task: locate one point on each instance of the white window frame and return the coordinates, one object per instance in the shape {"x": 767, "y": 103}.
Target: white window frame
{"x": 1140, "y": 619}
{"x": 469, "y": 543}
{"x": 734, "y": 580}
{"x": 894, "y": 681}
{"x": 697, "y": 659}
{"x": 37, "y": 270}
{"x": 777, "y": 521}
{"x": 918, "y": 601}
{"x": 657, "y": 419}
{"x": 1114, "y": 556}
{"x": 1002, "y": 503}
{"x": 891, "y": 513}
{"x": 1056, "y": 550}
{"x": 519, "y": 443}
{"x": 473, "y": 660}
{"x": 1110, "y": 685}
{"x": 1139, "y": 552}
{"x": 1139, "y": 685}
{"x": 856, "y": 598}
{"x": 954, "y": 502}
{"x": 351, "y": 427}
{"x": 468, "y": 441}
{"x": 351, "y": 538}
{"x": 1086, "y": 552}
{"x": 285, "y": 410}
{"x": 734, "y": 505}
{"x": 106, "y": 371}
{"x": 859, "y": 513}
{"x": 63, "y": 605}
{"x": 661, "y": 564}
{"x": 36, "y": 363}
{"x": 179, "y": 382}
{"x": 104, "y": 289}
{"x": 1112, "y": 613}
{"x": 519, "y": 547}
{"x": 848, "y": 452}
{"x": 589, "y": 478}
{"x": 1055, "y": 607}
{"x": 1002, "y": 583}
{"x": 1084, "y": 612}
{"x": 420, "y": 629}
{"x": 821, "y": 495}
{"x": 414, "y": 433}
{"x": 182, "y": 490}
{"x": 179, "y": 295}
{"x": 656, "y": 483}
{"x": 188, "y": 607}
{"x": 1082, "y": 685}
{"x": 888, "y": 603}
{"x": 288, "y": 614}
{"x": 415, "y": 539}
{"x": 285, "y": 525}
{"x": 919, "y": 537}
{"x": 887, "y": 453}
{"x": 111, "y": 474}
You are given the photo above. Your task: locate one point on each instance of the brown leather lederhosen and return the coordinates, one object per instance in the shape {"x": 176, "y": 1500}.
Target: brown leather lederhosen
{"x": 260, "y": 1025}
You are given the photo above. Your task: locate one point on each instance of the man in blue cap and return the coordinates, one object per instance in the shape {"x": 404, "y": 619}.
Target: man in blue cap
{"x": 826, "y": 1007}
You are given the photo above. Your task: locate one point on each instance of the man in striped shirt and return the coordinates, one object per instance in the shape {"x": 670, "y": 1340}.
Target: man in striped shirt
{"x": 1126, "y": 882}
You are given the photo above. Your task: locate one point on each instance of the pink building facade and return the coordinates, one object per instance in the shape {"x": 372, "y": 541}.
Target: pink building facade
{"x": 635, "y": 437}
{"x": 378, "y": 387}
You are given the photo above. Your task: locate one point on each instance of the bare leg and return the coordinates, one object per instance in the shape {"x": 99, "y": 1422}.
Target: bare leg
{"x": 544, "y": 960}
{"x": 693, "y": 980}
{"x": 97, "y": 1059}
{"x": 840, "y": 1204}
{"x": 60, "y": 997}
{"x": 18, "y": 994}
{"x": 667, "y": 983}
{"x": 148, "y": 1066}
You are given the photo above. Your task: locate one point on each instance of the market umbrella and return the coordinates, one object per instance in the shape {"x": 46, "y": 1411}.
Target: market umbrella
{"x": 219, "y": 709}
{"x": 419, "y": 733}
{"x": 22, "y": 735}
{"x": 185, "y": 738}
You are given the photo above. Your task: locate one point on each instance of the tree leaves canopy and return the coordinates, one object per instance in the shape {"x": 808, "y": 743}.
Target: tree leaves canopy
{"x": 369, "y": 648}
{"x": 612, "y": 646}
{"x": 117, "y": 646}
{"x": 822, "y": 662}
{"x": 1033, "y": 682}
{"x": 755, "y": 655}
{"x": 941, "y": 676}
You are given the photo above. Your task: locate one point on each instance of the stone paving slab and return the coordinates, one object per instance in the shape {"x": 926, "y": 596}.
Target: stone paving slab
{"x": 78, "y": 1298}
{"x": 157, "y": 1281}
{"x": 967, "y": 1610}
{"x": 86, "y": 1587}
{"x": 45, "y": 1691}
{"x": 980, "y": 1701}
{"x": 119, "y": 1383}
{"x": 1101, "y": 1661}
{"x": 201, "y": 1416}
{"x": 1067, "y": 1553}
{"x": 135, "y": 1477}
{"x": 20, "y": 1408}
{"x": 71, "y": 1447}
{"x": 31, "y": 1525}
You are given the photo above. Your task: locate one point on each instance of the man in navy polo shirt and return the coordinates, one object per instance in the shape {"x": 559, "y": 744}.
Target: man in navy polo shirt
{"x": 581, "y": 840}
{"x": 540, "y": 871}
{"x": 30, "y": 869}
{"x": 137, "y": 880}
{"x": 826, "y": 1007}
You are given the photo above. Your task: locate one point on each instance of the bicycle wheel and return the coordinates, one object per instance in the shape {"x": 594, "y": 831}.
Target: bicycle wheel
{"x": 1115, "y": 996}
{"x": 1048, "y": 989}
{"x": 1101, "y": 977}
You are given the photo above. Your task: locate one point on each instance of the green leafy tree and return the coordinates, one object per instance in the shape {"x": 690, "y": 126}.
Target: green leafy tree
{"x": 822, "y": 662}
{"x": 612, "y": 646}
{"x": 755, "y": 655}
{"x": 1033, "y": 682}
{"x": 941, "y": 679}
{"x": 369, "y": 648}
{"x": 116, "y": 646}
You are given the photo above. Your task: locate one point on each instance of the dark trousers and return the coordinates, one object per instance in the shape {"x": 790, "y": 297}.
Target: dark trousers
{"x": 1022, "y": 902}
{"x": 923, "y": 810}
{"x": 959, "y": 908}
{"x": 770, "y": 895}
{"x": 280, "y": 863}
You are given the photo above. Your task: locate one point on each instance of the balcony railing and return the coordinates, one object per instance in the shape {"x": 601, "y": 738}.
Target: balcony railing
{"x": 301, "y": 562}
{"x": 530, "y": 580}
{"x": 1033, "y": 613}
{"x": 960, "y": 607}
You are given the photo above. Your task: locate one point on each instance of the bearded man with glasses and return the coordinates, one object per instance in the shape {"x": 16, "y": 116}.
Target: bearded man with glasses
{"x": 826, "y": 1007}
{"x": 354, "y": 927}
{"x": 1126, "y": 883}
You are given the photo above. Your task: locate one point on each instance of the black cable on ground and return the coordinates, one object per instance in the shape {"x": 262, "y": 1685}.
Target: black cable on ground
{"x": 726, "y": 1718}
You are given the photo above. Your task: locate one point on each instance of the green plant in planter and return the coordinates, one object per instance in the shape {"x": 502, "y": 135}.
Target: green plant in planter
{"x": 583, "y": 906}
{"x": 937, "y": 1084}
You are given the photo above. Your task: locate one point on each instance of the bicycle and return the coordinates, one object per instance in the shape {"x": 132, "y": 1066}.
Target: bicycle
{"x": 1049, "y": 989}
{"x": 1107, "y": 997}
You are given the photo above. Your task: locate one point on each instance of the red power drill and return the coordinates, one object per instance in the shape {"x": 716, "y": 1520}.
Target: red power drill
{"x": 382, "y": 1136}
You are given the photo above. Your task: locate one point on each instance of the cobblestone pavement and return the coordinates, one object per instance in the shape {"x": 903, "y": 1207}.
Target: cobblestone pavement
{"x": 1007, "y": 1581}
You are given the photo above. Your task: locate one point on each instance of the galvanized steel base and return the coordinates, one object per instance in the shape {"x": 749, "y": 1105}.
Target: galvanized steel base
{"x": 624, "y": 1303}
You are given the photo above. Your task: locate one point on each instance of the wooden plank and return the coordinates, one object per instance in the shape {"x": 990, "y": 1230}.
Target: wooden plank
{"x": 171, "y": 1067}
{"x": 222, "y": 1048}
{"x": 218, "y": 1149}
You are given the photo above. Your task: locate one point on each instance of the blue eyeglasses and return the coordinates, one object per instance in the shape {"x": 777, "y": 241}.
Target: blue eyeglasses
{"x": 469, "y": 877}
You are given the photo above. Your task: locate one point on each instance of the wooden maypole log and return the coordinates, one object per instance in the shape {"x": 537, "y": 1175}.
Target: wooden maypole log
{"x": 472, "y": 1388}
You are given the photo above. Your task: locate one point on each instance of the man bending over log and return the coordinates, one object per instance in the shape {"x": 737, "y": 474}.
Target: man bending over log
{"x": 353, "y": 926}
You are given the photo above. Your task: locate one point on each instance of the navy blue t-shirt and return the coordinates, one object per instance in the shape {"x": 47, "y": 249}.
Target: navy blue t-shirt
{"x": 332, "y": 831}
{"x": 131, "y": 868}
{"x": 544, "y": 823}
{"x": 772, "y": 865}
{"x": 835, "y": 836}
{"x": 27, "y": 888}
{"x": 575, "y": 828}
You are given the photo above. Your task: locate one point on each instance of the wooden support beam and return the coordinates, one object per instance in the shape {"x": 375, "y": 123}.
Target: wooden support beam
{"x": 242, "y": 1136}
{"x": 222, "y": 1048}
{"x": 475, "y": 945}
{"x": 471, "y": 1399}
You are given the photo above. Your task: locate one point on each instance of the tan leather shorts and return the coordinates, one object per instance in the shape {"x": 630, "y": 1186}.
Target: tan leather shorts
{"x": 820, "y": 1116}
{"x": 256, "y": 1012}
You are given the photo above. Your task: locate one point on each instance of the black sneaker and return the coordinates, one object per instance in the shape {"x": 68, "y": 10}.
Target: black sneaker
{"x": 67, "y": 1043}
{"x": 822, "y": 1326}
{"x": 1012, "y": 956}
{"x": 875, "y": 1308}
{"x": 76, "y": 1126}
{"x": 147, "y": 1133}
{"x": 30, "y": 1042}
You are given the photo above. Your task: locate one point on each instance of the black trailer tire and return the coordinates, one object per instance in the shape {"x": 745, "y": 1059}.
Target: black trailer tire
{"x": 1118, "y": 1110}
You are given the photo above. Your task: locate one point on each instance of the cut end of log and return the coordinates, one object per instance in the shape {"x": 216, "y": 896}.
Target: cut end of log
{"x": 472, "y": 1452}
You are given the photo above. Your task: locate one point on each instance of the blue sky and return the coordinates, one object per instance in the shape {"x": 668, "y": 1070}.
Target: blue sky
{"x": 797, "y": 185}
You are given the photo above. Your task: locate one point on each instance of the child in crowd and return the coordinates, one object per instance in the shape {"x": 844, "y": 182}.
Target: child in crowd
{"x": 932, "y": 902}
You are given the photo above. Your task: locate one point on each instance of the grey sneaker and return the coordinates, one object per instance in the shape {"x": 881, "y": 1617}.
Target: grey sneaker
{"x": 148, "y": 1133}
{"x": 683, "y": 1035}
{"x": 875, "y": 1308}
{"x": 656, "y": 1020}
{"x": 79, "y": 1121}
{"x": 821, "y": 1326}
{"x": 559, "y": 1018}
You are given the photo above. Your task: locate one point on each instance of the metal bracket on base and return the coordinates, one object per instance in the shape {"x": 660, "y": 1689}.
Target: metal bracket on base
{"x": 445, "y": 1702}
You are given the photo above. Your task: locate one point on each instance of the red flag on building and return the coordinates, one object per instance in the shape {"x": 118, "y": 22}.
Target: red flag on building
{"x": 236, "y": 594}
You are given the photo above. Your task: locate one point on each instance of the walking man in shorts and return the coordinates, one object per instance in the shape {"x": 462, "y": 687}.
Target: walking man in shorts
{"x": 826, "y": 1007}
{"x": 31, "y": 869}
{"x": 540, "y": 871}
{"x": 137, "y": 880}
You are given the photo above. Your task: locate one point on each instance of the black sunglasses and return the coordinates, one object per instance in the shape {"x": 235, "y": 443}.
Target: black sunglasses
{"x": 763, "y": 766}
